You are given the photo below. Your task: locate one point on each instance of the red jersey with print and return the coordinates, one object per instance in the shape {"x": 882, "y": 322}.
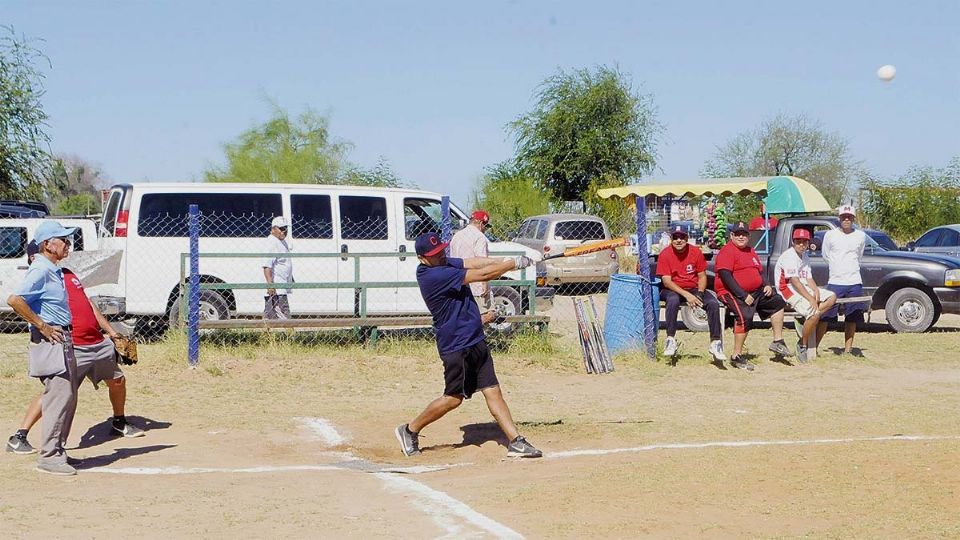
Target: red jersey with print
{"x": 86, "y": 330}
{"x": 743, "y": 263}
{"x": 682, "y": 267}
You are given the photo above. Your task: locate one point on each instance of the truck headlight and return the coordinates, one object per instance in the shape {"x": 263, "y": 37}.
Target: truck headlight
{"x": 952, "y": 279}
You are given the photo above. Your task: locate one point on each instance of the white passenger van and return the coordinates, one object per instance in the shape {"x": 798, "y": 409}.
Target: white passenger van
{"x": 16, "y": 233}
{"x": 149, "y": 223}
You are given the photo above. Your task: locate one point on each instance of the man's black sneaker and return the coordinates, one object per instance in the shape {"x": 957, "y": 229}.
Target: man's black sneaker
{"x": 409, "y": 441}
{"x": 18, "y": 444}
{"x": 780, "y": 348}
{"x": 519, "y": 447}
{"x": 740, "y": 363}
{"x": 125, "y": 429}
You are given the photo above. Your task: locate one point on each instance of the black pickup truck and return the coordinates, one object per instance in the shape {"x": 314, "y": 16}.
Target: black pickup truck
{"x": 913, "y": 289}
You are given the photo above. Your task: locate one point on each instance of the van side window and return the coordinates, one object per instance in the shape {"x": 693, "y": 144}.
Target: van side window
{"x": 110, "y": 213}
{"x": 421, "y": 216}
{"x": 579, "y": 230}
{"x": 363, "y": 218}
{"x": 13, "y": 242}
{"x": 527, "y": 229}
{"x": 77, "y": 240}
{"x": 542, "y": 229}
{"x": 311, "y": 216}
{"x": 222, "y": 215}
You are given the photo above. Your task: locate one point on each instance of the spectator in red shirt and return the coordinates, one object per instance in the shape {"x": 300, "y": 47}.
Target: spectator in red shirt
{"x": 96, "y": 360}
{"x": 741, "y": 287}
{"x": 683, "y": 271}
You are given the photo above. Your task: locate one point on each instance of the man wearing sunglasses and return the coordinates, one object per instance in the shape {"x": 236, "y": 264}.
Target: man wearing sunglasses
{"x": 741, "y": 287}
{"x": 683, "y": 271}
{"x": 278, "y": 268}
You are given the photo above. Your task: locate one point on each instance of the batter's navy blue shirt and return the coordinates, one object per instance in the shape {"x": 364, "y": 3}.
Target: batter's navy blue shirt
{"x": 456, "y": 317}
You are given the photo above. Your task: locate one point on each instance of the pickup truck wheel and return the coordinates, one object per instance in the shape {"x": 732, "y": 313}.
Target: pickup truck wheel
{"x": 910, "y": 310}
{"x": 506, "y": 301}
{"x": 695, "y": 319}
{"x": 213, "y": 307}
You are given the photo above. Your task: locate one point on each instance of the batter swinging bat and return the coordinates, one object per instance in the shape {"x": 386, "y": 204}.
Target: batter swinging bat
{"x": 589, "y": 248}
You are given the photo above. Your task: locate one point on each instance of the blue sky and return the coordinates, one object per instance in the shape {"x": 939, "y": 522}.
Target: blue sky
{"x": 151, "y": 90}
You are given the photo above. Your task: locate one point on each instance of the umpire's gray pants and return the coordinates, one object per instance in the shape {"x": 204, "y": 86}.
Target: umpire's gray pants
{"x": 59, "y": 400}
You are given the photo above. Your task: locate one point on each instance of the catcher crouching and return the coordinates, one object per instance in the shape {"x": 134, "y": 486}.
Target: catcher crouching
{"x": 97, "y": 360}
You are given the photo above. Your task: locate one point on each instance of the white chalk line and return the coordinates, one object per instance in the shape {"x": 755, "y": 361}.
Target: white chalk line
{"x": 323, "y": 430}
{"x": 740, "y": 444}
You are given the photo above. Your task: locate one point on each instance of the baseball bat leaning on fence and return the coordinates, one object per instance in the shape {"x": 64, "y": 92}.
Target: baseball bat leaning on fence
{"x": 586, "y": 249}
{"x": 589, "y": 355}
{"x": 601, "y": 339}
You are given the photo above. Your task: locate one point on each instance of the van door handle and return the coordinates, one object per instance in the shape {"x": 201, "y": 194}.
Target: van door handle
{"x": 403, "y": 249}
{"x": 23, "y": 268}
{"x": 343, "y": 249}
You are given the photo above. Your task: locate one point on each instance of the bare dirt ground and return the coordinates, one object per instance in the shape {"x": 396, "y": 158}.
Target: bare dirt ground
{"x": 844, "y": 447}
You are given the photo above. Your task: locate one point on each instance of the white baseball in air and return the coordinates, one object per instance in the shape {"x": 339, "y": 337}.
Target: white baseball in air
{"x": 887, "y": 73}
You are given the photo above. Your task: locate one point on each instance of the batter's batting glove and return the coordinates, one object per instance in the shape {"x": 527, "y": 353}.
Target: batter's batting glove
{"x": 522, "y": 261}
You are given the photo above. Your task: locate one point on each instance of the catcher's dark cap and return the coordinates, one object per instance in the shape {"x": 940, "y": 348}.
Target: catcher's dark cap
{"x": 679, "y": 230}
{"x": 740, "y": 226}
{"x": 429, "y": 244}
{"x": 32, "y": 248}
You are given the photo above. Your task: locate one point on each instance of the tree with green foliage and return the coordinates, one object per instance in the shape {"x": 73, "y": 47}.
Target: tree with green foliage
{"x": 908, "y": 206}
{"x": 381, "y": 175}
{"x": 24, "y": 146}
{"x": 72, "y": 185}
{"x": 81, "y": 204}
{"x": 789, "y": 146}
{"x": 588, "y": 128}
{"x": 284, "y": 150}
{"x": 509, "y": 197}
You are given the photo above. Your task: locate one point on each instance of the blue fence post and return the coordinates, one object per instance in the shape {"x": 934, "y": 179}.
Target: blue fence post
{"x": 193, "y": 303}
{"x": 651, "y": 317}
{"x": 445, "y": 219}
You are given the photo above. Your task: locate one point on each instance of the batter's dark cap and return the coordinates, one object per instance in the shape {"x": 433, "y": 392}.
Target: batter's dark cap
{"x": 429, "y": 244}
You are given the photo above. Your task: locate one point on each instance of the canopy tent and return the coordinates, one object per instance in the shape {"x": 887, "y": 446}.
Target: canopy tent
{"x": 783, "y": 194}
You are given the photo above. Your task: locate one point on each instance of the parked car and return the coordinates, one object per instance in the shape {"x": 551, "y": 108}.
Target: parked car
{"x": 882, "y": 239}
{"x": 944, "y": 240}
{"x": 553, "y": 233}
{"x": 23, "y": 209}
{"x": 148, "y": 223}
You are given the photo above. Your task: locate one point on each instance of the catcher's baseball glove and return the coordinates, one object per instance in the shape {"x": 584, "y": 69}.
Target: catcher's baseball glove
{"x": 126, "y": 350}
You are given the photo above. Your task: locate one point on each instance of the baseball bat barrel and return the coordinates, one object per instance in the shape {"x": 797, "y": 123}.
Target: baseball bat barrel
{"x": 586, "y": 249}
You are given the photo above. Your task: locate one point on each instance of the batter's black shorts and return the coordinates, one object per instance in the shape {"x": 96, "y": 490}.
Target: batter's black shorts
{"x": 468, "y": 370}
{"x": 764, "y": 306}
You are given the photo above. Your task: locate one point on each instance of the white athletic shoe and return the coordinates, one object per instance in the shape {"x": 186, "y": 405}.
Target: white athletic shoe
{"x": 716, "y": 349}
{"x": 670, "y": 347}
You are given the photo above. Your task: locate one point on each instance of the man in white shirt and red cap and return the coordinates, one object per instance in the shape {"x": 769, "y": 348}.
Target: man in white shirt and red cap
{"x": 843, "y": 250}
{"x": 470, "y": 242}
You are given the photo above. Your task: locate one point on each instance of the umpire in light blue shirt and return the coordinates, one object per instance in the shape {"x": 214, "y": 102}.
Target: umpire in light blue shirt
{"x": 41, "y": 300}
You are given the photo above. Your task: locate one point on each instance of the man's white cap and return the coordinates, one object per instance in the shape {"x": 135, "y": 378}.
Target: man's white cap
{"x": 279, "y": 221}
{"x": 847, "y": 209}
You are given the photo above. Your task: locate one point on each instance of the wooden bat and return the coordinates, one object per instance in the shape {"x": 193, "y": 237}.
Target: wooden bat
{"x": 589, "y": 248}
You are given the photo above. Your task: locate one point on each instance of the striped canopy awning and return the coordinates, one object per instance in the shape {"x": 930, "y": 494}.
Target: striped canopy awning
{"x": 784, "y": 194}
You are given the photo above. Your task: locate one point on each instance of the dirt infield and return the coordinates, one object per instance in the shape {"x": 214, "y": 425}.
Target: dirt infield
{"x": 285, "y": 441}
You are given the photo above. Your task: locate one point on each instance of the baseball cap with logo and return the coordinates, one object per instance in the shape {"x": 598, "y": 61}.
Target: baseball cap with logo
{"x": 429, "y": 244}
{"x": 279, "y": 221}
{"x": 739, "y": 226}
{"x": 51, "y": 229}
{"x": 801, "y": 234}
{"x": 678, "y": 230}
{"x": 846, "y": 210}
{"x": 482, "y": 216}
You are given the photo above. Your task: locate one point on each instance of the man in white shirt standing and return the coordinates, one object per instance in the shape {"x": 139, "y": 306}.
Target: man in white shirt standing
{"x": 796, "y": 285}
{"x": 843, "y": 250}
{"x": 277, "y": 269}
{"x": 470, "y": 242}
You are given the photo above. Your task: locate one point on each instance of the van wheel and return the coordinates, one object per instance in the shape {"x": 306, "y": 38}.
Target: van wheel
{"x": 213, "y": 307}
{"x": 506, "y": 301}
{"x": 910, "y": 310}
{"x": 695, "y": 319}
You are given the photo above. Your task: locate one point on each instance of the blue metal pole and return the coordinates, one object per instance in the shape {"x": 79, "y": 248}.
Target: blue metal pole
{"x": 193, "y": 303}
{"x": 651, "y": 315}
{"x": 445, "y": 219}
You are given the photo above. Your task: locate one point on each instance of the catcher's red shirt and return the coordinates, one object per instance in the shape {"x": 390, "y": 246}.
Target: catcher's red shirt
{"x": 86, "y": 330}
{"x": 682, "y": 267}
{"x": 743, "y": 263}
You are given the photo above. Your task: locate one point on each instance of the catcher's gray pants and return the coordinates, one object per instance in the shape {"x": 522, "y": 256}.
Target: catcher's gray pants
{"x": 97, "y": 362}
{"x": 59, "y": 400}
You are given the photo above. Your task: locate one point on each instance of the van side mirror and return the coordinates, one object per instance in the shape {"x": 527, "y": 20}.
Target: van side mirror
{"x": 911, "y": 245}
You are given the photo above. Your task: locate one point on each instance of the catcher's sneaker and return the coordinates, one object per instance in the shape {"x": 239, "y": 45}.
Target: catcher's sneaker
{"x": 519, "y": 447}
{"x": 802, "y": 353}
{"x": 59, "y": 469}
{"x": 670, "y": 346}
{"x": 125, "y": 429}
{"x": 716, "y": 349}
{"x": 779, "y": 347}
{"x": 409, "y": 441}
{"x": 18, "y": 444}
{"x": 740, "y": 363}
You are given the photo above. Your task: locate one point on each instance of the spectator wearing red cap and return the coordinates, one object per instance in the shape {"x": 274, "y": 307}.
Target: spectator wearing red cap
{"x": 796, "y": 285}
{"x": 741, "y": 287}
{"x": 683, "y": 270}
{"x": 470, "y": 242}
